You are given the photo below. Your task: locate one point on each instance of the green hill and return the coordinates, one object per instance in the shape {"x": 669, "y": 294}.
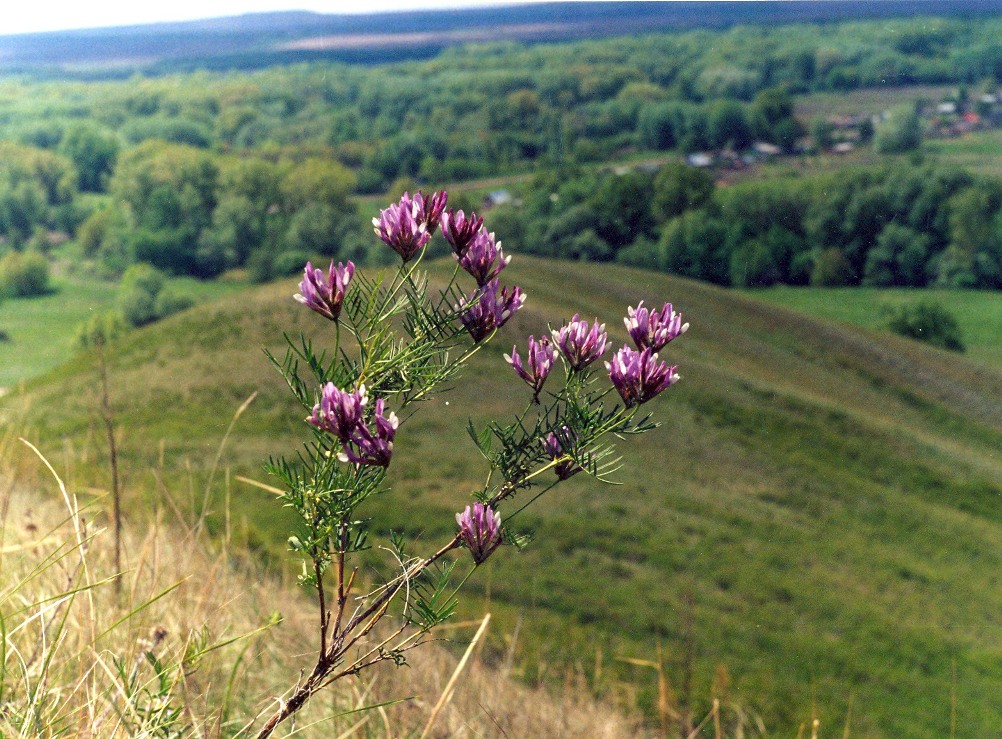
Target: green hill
{"x": 823, "y": 504}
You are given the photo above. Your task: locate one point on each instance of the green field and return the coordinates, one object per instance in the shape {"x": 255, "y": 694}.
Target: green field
{"x": 822, "y": 503}
{"x": 872, "y": 100}
{"x": 41, "y": 331}
{"x": 977, "y": 152}
{"x": 978, "y": 312}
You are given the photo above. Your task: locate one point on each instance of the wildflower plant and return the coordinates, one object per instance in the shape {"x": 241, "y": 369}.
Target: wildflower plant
{"x": 395, "y": 342}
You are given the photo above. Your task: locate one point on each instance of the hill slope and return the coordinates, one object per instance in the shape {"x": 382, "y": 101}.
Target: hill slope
{"x": 823, "y": 504}
{"x": 261, "y": 39}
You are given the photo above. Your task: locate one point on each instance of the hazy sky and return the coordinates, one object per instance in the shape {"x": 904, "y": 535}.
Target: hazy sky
{"x": 29, "y": 16}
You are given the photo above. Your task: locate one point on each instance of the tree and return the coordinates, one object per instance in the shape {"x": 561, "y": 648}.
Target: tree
{"x": 622, "y": 208}
{"x": 902, "y": 133}
{"x": 93, "y": 153}
{"x": 832, "y": 269}
{"x": 728, "y": 126}
{"x": 24, "y": 274}
{"x": 898, "y": 258}
{"x": 678, "y": 188}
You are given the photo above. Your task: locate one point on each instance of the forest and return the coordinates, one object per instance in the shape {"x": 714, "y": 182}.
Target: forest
{"x": 201, "y": 173}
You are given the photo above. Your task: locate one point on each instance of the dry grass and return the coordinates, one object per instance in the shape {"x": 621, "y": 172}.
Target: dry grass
{"x": 191, "y": 644}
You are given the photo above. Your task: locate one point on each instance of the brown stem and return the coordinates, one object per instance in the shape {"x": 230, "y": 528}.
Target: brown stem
{"x": 340, "y": 644}
{"x": 394, "y": 586}
{"x": 342, "y": 589}
{"x": 324, "y": 616}
{"x": 109, "y": 426}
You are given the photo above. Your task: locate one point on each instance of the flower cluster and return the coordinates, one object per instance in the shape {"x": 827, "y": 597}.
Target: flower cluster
{"x": 480, "y": 529}
{"x": 341, "y": 413}
{"x": 459, "y": 230}
{"x": 325, "y": 295}
{"x": 407, "y": 226}
{"x": 639, "y": 376}
{"x": 540, "y": 357}
{"x": 581, "y": 343}
{"x": 483, "y": 259}
{"x": 654, "y": 329}
{"x": 489, "y": 308}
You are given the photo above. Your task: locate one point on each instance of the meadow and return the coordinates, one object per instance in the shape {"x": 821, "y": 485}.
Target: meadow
{"x": 817, "y": 518}
{"x": 978, "y": 312}
{"x": 42, "y": 330}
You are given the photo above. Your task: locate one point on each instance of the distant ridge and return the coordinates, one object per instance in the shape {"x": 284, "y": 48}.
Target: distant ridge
{"x": 262, "y": 39}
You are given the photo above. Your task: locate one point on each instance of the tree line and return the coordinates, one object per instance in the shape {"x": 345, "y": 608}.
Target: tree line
{"x": 898, "y": 224}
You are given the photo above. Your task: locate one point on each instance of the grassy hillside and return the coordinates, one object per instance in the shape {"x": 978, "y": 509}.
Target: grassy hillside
{"x": 978, "y": 312}
{"x": 823, "y": 505}
{"x": 41, "y": 331}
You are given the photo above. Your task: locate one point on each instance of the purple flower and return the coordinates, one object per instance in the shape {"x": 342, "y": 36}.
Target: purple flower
{"x": 480, "y": 528}
{"x": 339, "y": 412}
{"x": 484, "y": 259}
{"x": 555, "y": 449}
{"x": 541, "y": 356}
{"x": 325, "y": 296}
{"x": 459, "y": 230}
{"x": 366, "y": 447}
{"x": 489, "y": 308}
{"x": 402, "y": 226}
{"x": 580, "y": 343}
{"x": 654, "y": 329}
{"x": 639, "y": 376}
{"x": 430, "y": 208}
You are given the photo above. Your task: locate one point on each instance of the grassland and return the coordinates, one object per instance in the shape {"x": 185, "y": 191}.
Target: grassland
{"x": 823, "y": 504}
{"x": 975, "y": 152}
{"x": 41, "y": 330}
{"x": 870, "y": 101}
{"x": 978, "y": 312}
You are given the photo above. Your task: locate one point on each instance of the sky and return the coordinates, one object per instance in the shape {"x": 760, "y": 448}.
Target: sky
{"x": 31, "y": 16}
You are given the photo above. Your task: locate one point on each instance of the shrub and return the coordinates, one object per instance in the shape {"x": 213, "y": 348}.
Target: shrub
{"x": 24, "y": 274}
{"x": 144, "y": 298}
{"x": 832, "y": 269}
{"x": 926, "y": 321}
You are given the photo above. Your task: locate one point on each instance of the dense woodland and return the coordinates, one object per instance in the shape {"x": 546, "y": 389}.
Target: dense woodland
{"x": 201, "y": 173}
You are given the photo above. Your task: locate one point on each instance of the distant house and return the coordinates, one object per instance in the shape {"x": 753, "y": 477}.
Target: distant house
{"x": 700, "y": 159}
{"x": 843, "y": 147}
{"x": 496, "y": 197}
{"x": 765, "y": 149}
{"x": 946, "y": 108}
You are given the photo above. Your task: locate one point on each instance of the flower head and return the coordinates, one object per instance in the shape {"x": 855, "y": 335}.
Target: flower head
{"x": 540, "y": 359}
{"x": 654, "y": 329}
{"x": 339, "y": 412}
{"x": 489, "y": 307}
{"x": 431, "y": 208}
{"x": 480, "y": 528}
{"x": 484, "y": 258}
{"x": 403, "y": 226}
{"x": 639, "y": 376}
{"x": 459, "y": 230}
{"x": 580, "y": 342}
{"x": 554, "y": 446}
{"x": 325, "y": 295}
{"x": 368, "y": 447}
